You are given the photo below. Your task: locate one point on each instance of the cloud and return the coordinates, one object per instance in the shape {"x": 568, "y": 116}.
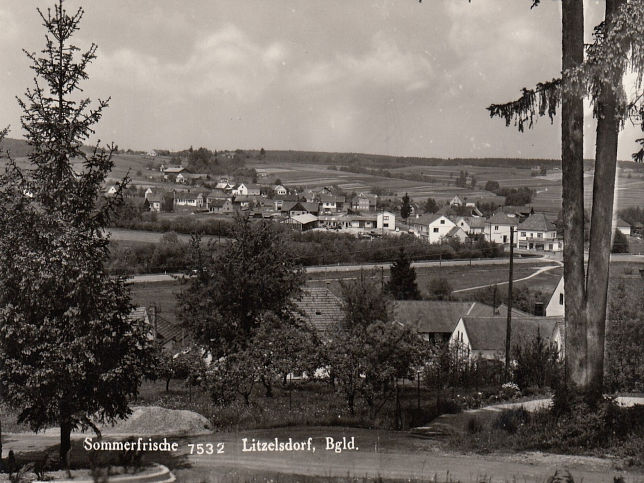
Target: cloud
{"x": 384, "y": 64}
{"x": 224, "y": 62}
{"x": 8, "y": 25}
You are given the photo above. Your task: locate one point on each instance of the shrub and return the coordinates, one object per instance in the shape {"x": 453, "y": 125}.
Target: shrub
{"x": 474, "y": 425}
{"x": 511, "y": 420}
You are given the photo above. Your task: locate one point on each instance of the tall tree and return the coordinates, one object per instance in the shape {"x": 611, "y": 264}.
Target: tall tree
{"x": 402, "y": 282}
{"x": 405, "y": 209}
{"x": 618, "y": 43}
{"x": 70, "y": 350}
{"x": 255, "y": 274}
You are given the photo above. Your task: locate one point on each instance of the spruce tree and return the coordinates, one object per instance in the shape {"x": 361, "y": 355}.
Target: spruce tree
{"x": 70, "y": 351}
{"x": 402, "y": 282}
{"x": 405, "y": 209}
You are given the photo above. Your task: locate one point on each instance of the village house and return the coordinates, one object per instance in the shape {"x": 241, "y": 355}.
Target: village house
{"x": 382, "y": 222}
{"x": 330, "y": 203}
{"x": 498, "y": 226}
{"x": 364, "y": 202}
{"x": 189, "y": 199}
{"x": 280, "y": 190}
{"x": 623, "y": 227}
{"x": 436, "y": 228}
{"x": 302, "y": 222}
{"x": 216, "y": 205}
{"x": 224, "y": 184}
{"x": 246, "y": 189}
{"x": 456, "y": 201}
{"x": 171, "y": 172}
{"x": 476, "y": 225}
{"x": 186, "y": 177}
{"x": 537, "y": 233}
{"x": 436, "y": 320}
{"x": 556, "y": 304}
{"x": 293, "y": 208}
{"x": 484, "y": 337}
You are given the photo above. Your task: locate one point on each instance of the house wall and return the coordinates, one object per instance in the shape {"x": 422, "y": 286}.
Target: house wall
{"x": 497, "y": 233}
{"x": 439, "y": 228}
{"x": 556, "y": 304}
{"x": 386, "y": 221}
{"x": 626, "y": 230}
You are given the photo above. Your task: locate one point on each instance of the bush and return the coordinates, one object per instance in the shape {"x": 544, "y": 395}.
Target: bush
{"x": 474, "y": 425}
{"x": 511, "y": 420}
{"x": 620, "y": 243}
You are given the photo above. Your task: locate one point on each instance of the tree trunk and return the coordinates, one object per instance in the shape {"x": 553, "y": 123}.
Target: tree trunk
{"x": 602, "y": 216}
{"x": 572, "y": 157}
{"x": 65, "y": 442}
{"x": 167, "y": 385}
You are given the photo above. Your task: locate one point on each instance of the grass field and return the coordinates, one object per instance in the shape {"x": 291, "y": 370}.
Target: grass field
{"x": 459, "y": 277}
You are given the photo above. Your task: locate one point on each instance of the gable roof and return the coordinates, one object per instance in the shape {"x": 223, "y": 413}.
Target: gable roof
{"x": 488, "y": 333}
{"x": 321, "y": 308}
{"x": 622, "y": 223}
{"x": 475, "y": 222}
{"x": 310, "y": 207}
{"x": 425, "y": 219}
{"x": 537, "y": 222}
{"x": 305, "y": 219}
{"x": 430, "y": 316}
{"x": 502, "y": 219}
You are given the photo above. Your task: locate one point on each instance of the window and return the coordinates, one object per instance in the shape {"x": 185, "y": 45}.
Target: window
{"x": 561, "y": 299}
{"x": 523, "y": 233}
{"x": 442, "y": 222}
{"x": 496, "y": 227}
{"x": 435, "y": 230}
{"x": 539, "y": 235}
{"x": 386, "y": 217}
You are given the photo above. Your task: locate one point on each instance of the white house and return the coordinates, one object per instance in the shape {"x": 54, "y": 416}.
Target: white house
{"x": 556, "y": 305}
{"x": 485, "y": 336}
{"x": 476, "y": 224}
{"x": 623, "y": 226}
{"x": 456, "y": 201}
{"x": 386, "y": 221}
{"x": 189, "y": 200}
{"x": 246, "y": 189}
{"x": 432, "y": 227}
{"x": 280, "y": 190}
{"x": 537, "y": 233}
{"x": 498, "y": 226}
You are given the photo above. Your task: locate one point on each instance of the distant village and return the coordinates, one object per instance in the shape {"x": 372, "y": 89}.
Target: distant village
{"x": 326, "y": 208}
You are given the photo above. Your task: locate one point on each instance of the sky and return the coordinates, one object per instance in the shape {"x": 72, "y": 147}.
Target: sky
{"x": 394, "y": 77}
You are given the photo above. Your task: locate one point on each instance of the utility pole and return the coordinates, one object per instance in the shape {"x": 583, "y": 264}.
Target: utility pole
{"x": 508, "y": 332}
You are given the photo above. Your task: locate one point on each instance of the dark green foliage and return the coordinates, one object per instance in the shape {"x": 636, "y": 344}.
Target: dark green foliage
{"x": 367, "y": 353}
{"x": 405, "y": 209}
{"x": 511, "y": 420}
{"x": 624, "y": 367}
{"x": 474, "y": 425}
{"x": 620, "y": 242}
{"x": 492, "y": 186}
{"x": 253, "y": 275}
{"x": 440, "y": 288}
{"x": 69, "y": 349}
{"x": 431, "y": 206}
{"x": 402, "y": 282}
{"x": 537, "y": 363}
{"x": 461, "y": 181}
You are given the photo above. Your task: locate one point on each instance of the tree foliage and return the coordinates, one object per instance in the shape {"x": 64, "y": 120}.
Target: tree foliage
{"x": 405, "y": 209}
{"x": 368, "y": 352}
{"x": 70, "y": 350}
{"x": 402, "y": 282}
{"x": 253, "y": 275}
{"x": 620, "y": 242}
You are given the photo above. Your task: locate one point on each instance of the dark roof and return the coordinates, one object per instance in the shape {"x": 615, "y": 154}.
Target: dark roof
{"x": 218, "y": 203}
{"x": 622, "y": 223}
{"x": 475, "y": 221}
{"x": 424, "y": 219}
{"x": 483, "y": 310}
{"x": 321, "y": 308}
{"x": 430, "y": 316}
{"x": 310, "y": 207}
{"x": 537, "y": 222}
{"x": 502, "y": 219}
{"x": 488, "y": 333}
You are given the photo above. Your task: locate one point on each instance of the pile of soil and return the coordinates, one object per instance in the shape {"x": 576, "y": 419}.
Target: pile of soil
{"x": 155, "y": 420}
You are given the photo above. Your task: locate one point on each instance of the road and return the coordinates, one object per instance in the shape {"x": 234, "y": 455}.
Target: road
{"x": 165, "y": 277}
{"x": 168, "y": 277}
{"x": 538, "y": 271}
